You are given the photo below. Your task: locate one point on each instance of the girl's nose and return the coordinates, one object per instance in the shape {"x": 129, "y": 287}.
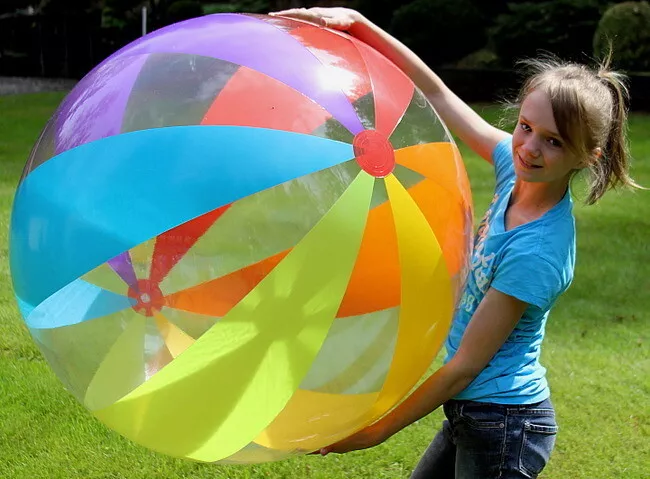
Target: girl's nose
{"x": 531, "y": 148}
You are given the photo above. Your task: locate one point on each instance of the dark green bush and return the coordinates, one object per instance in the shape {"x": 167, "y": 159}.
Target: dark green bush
{"x": 563, "y": 27}
{"x": 242, "y": 6}
{"x": 480, "y": 59}
{"x": 184, "y": 10}
{"x": 378, "y": 11}
{"x": 626, "y": 27}
{"x": 491, "y": 8}
{"x": 440, "y": 31}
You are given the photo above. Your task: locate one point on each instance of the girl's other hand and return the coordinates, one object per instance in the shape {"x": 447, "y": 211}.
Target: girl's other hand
{"x": 369, "y": 437}
{"x": 337, "y": 18}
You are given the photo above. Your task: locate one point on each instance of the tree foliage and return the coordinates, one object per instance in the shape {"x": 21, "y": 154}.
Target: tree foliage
{"x": 563, "y": 27}
{"x": 183, "y": 10}
{"x": 440, "y": 31}
{"x": 379, "y": 11}
{"x": 470, "y": 33}
{"x": 248, "y": 6}
{"x": 626, "y": 28}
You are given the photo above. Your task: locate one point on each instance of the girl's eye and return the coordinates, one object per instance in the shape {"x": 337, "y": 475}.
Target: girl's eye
{"x": 524, "y": 126}
{"x": 555, "y": 142}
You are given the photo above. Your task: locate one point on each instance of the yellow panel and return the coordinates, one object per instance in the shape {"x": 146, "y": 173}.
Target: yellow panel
{"x": 427, "y": 299}
{"x": 123, "y": 367}
{"x": 106, "y": 278}
{"x": 254, "y": 453}
{"x": 141, "y": 256}
{"x": 234, "y": 380}
{"x": 313, "y": 420}
{"x": 175, "y": 339}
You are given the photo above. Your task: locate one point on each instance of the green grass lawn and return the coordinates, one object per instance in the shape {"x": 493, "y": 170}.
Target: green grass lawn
{"x": 596, "y": 353}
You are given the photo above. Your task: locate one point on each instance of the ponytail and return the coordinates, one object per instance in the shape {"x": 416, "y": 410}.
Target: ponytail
{"x": 612, "y": 168}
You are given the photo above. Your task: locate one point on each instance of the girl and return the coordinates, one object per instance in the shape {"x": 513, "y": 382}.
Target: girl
{"x": 500, "y": 421}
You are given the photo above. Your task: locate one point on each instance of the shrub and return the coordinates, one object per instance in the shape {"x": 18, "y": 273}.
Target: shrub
{"x": 440, "y": 31}
{"x": 241, "y": 6}
{"x": 184, "y": 10}
{"x": 563, "y": 27}
{"x": 480, "y": 59}
{"x": 626, "y": 27}
{"x": 379, "y": 11}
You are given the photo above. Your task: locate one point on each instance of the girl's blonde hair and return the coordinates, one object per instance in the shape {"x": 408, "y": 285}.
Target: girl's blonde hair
{"x": 590, "y": 110}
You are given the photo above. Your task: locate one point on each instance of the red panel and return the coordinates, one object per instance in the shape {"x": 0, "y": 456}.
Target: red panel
{"x": 253, "y": 99}
{"x": 172, "y": 245}
{"x": 393, "y": 90}
{"x": 345, "y": 65}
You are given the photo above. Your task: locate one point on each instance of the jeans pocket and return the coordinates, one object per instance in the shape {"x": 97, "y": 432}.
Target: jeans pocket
{"x": 481, "y": 417}
{"x": 538, "y": 440}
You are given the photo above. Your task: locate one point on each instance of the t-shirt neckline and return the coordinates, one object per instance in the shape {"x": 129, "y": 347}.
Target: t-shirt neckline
{"x": 557, "y": 209}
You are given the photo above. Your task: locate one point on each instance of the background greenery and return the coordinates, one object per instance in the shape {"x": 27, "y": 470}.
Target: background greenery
{"x": 596, "y": 353}
{"x": 68, "y": 37}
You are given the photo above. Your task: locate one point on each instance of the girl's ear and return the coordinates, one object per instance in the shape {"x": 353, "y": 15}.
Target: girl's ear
{"x": 596, "y": 153}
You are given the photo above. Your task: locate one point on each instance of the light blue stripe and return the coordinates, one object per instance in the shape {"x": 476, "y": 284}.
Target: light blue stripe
{"x": 25, "y": 308}
{"x": 91, "y": 203}
{"x": 79, "y": 301}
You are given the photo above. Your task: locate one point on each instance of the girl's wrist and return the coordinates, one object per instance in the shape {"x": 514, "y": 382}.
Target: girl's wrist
{"x": 358, "y": 21}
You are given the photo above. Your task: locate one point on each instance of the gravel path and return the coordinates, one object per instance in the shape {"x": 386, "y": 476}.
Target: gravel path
{"x": 14, "y": 85}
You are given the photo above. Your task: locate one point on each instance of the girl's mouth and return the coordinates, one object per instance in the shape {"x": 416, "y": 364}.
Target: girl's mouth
{"x": 525, "y": 164}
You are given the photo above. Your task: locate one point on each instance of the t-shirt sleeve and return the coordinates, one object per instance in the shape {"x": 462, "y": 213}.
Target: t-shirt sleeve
{"x": 502, "y": 160}
{"x": 529, "y": 278}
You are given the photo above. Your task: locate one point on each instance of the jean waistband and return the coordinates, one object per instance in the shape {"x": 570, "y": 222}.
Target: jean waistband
{"x": 544, "y": 407}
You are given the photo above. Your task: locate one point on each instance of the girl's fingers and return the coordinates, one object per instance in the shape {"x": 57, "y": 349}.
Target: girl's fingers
{"x": 293, "y": 12}
{"x": 316, "y": 15}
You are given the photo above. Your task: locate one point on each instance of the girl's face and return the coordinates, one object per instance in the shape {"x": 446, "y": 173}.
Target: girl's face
{"x": 539, "y": 152}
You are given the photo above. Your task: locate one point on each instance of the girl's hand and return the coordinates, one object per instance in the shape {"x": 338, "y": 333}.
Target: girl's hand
{"x": 368, "y": 437}
{"x": 337, "y": 18}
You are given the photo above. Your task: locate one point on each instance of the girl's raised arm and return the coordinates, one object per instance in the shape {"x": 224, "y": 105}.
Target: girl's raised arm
{"x": 464, "y": 122}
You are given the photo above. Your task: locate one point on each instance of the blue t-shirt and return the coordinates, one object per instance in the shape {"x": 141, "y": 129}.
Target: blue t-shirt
{"x": 534, "y": 263}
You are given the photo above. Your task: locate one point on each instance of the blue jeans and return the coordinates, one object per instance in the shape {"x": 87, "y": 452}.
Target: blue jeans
{"x": 490, "y": 441}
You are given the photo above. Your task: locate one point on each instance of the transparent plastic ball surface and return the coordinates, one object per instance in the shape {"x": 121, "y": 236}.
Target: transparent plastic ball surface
{"x": 241, "y": 238}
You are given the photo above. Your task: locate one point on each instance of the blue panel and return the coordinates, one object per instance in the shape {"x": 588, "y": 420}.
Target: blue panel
{"x": 79, "y": 301}
{"x": 100, "y": 199}
{"x": 25, "y": 308}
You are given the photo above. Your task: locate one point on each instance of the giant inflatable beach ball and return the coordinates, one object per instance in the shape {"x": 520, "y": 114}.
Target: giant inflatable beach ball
{"x": 241, "y": 238}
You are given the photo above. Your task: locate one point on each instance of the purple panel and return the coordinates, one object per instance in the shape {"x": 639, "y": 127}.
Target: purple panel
{"x": 122, "y": 265}
{"x": 43, "y": 150}
{"x": 251, "y": 42}
{"x": 95, "y": 107}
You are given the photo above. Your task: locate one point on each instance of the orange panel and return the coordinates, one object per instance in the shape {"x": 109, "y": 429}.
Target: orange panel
{"x": 375, "y": 282}
{"x": 442, "y": 163}
{"x": 374, "y": 285}
{"x": 445, "y": 217}
{"x": 217, "y": 297}
{"x": 253, "y": 99}
{"x": 443, "y": 197}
